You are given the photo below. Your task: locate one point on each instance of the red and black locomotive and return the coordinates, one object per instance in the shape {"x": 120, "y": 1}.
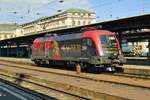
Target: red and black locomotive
{"x": 91, "y": 49}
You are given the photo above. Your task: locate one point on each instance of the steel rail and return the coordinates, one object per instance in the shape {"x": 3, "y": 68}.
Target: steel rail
{"x": 86, "y": 76}
{"x": 37, "y": 93}
{"x": 31, "y": 92}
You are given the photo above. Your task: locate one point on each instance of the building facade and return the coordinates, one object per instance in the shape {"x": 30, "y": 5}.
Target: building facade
{"x": 7, "y": 31}
{"x": 67, "y": 19}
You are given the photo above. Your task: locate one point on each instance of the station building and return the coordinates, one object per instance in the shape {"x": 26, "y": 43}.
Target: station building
{"x": 7, "y": 31}
{"x": 67, "y": 19}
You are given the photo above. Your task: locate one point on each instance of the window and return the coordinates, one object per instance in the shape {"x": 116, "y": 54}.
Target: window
{"x": 89, "y": 42}
{"x": 89, "y": 14}
{"x": 84, "y": 23}
{"x": 63, "y": 22}
{"x": 73, "y": 13}
{"x": 79, "y": 22}
{"x": 84, "y": 41}
{"x": 5, "y": 36}
{"x": 73, "y": 22}
{"x": 108, "y": 41}
{"x": 109, "y": 44}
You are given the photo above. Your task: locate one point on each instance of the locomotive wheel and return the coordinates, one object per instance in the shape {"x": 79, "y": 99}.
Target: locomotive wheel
{"x": 89, "y": 68}
{"x": 37, "y": 62}
{"x": 121, "y": 64}
{"x": 119, "y": 69}
{"x": 42, "y": 63}
{"x": 83, "y": 67}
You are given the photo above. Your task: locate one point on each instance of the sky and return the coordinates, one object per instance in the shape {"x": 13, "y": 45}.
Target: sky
{"x": 24, "y": 11}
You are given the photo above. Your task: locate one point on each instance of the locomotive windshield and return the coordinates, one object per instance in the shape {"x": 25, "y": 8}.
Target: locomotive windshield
{"x": 109, "y": 44}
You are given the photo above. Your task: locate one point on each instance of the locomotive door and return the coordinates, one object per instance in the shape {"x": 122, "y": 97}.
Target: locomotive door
{"x": 84, "y": 48}
{"x": 88, "y": 48}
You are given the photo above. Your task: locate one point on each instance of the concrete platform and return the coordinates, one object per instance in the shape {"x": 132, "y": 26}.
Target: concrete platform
{"x": 128, "y": 68}
{"x": 137, "y": 58}
{"x": 20, "y": 60}
{"x": 138, "y": 61}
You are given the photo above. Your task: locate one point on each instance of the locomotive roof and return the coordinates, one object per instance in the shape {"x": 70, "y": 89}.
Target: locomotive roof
{"x": 80, "y": 34}
{"x": 72, "y": 36}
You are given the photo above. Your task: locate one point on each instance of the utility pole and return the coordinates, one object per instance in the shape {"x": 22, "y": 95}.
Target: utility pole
{"x": 143, "y": 10}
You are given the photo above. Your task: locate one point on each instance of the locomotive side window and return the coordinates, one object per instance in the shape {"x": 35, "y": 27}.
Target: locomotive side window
{"x": 89, "y": 42}
{"x": 84, "y": 41}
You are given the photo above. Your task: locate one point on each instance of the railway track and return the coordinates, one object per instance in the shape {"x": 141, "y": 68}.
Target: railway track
{"x": 41, "y": 91}
{"x": 26, "y": 92}
{"x": 133, "y": 77}
{"x": 27, "y": 81}
{"x": 116, "y": 78}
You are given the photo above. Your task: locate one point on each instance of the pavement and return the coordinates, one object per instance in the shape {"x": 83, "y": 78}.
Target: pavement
{"x": 22, "y": 60}
{"x": 139, "y": 61}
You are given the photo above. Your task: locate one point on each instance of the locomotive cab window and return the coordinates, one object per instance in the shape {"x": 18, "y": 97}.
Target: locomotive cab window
{"x": 108, "y": 41}
{"x": 109, "y": 44}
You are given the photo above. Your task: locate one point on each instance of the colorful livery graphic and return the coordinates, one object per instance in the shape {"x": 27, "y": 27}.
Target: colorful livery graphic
{"x": 95, "y": 49}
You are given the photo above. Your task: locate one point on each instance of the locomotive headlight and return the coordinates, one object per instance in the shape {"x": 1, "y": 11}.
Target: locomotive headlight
{"x": 110, "y": 69}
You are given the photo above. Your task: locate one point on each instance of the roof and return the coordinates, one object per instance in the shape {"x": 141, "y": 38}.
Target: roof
{"x": 76, "y": 10}
{"x": 71, "y": 10}
{"x": 8, "y": 27}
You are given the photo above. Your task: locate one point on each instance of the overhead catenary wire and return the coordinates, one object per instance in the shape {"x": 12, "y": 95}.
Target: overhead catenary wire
{"x": 102, "y": 6}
